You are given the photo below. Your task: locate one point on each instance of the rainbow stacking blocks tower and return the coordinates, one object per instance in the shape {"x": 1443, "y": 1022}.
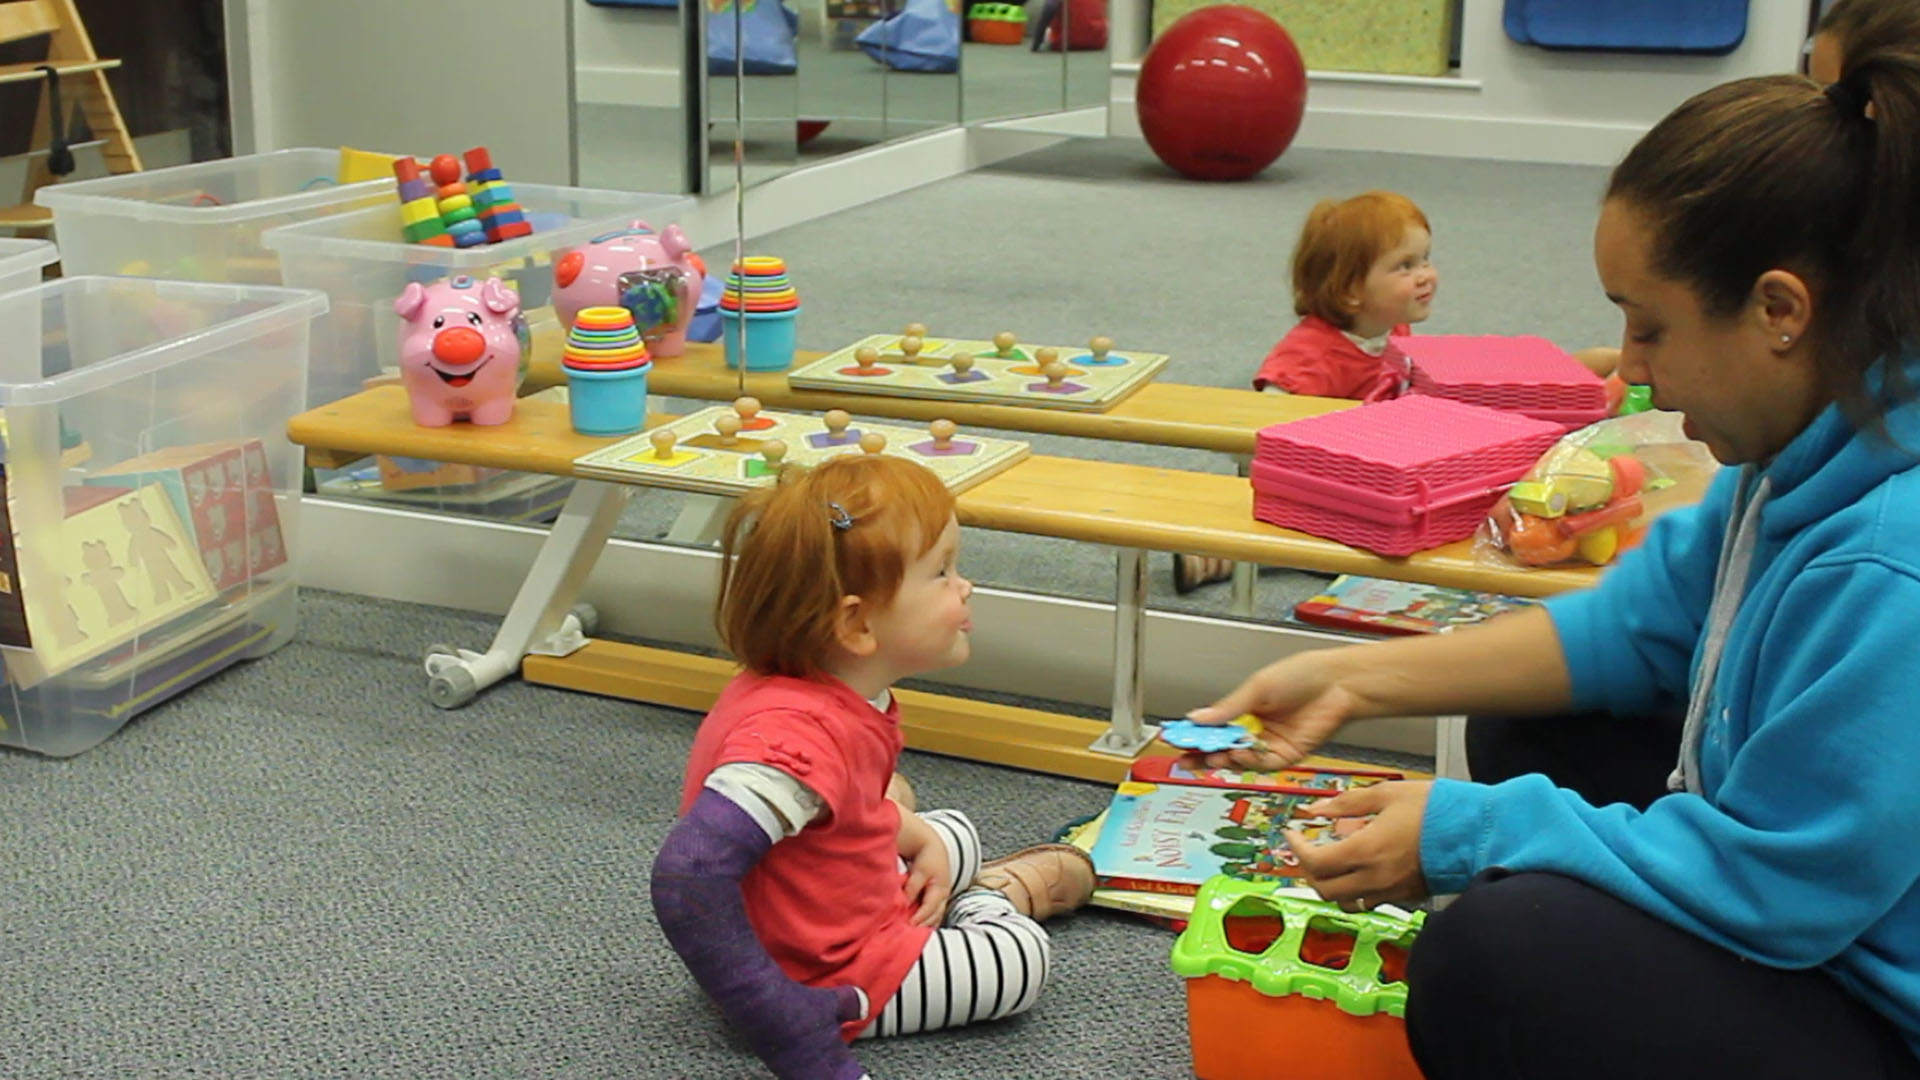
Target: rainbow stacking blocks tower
{"x": 419, "y": 213}
{"x": 441, "y": 209}
{"x": 456, "y": 206}
{"x": 500, "y": 216}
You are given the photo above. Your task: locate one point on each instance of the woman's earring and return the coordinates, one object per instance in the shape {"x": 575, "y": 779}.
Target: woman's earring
{"x": 1786, "y": 339}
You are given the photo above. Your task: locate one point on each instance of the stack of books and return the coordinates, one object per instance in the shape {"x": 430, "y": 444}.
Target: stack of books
{"x": 1373, "y": 606}
{"x": 1170, "y": 827}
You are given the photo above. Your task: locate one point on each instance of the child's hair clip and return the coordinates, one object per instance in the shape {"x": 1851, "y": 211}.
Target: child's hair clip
{"x": 838, "y": 515}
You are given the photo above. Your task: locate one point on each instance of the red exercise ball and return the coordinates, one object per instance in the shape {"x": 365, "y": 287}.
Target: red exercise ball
{"x": 1221, "y": 93}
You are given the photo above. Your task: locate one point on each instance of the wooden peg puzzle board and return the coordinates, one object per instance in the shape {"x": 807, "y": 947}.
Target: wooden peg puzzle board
{"x": 700, "y": 463}
{"x": 1088, "y": 387}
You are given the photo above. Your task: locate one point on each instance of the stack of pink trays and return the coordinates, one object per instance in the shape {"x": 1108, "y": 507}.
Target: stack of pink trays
{"x": 1395, "y": 477}
{"x": 1528, "y": 375}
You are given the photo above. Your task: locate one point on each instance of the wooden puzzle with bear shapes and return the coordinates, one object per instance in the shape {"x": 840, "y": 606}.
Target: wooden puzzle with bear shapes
{"x": 1001, "y": 372}
{"x": 730, "y": 449}
{"x": 122, "y": 564}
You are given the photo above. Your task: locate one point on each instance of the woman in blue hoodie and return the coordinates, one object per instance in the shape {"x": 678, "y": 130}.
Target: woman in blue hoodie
{"x": 1762, "y": 918}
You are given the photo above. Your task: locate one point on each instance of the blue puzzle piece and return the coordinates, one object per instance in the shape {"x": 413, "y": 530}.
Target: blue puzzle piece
{"x": 1205, "y": 738}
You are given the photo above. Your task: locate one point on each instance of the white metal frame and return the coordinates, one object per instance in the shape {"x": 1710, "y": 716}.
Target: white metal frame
{"x": 544, "y": 619}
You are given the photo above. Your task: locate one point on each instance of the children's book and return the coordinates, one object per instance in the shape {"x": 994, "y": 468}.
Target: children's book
{"x": 1168, "y": 910}
{"x": 1173, "y": 837}
{"x": 1320, "y": 781}
{"x": 1376, "y": 606}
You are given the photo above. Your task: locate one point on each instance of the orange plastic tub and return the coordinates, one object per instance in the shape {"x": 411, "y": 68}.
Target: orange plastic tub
{"x": 1280, "y": 987}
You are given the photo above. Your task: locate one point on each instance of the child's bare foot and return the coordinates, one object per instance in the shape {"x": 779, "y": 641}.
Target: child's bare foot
{"x": 1192, "y": 571}
{"x": 902, "y": 794}
{"x": 1043, "y": 880}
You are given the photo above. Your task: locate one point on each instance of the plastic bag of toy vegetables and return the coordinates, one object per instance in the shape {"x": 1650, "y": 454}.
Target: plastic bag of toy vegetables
{"x": 1586, "y": 500}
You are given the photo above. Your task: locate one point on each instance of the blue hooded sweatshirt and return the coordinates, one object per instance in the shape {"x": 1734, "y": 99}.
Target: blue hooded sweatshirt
{"x": 1797, "y": 840}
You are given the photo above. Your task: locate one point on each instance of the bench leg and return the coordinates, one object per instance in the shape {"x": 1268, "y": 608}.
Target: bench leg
{"x": 543, "y": 618}
{"x": 701, "y": 519}
{"x": 1128, "y": 730}
{"x": 1450, "y": 747}
{"x": 1245, "y": 574}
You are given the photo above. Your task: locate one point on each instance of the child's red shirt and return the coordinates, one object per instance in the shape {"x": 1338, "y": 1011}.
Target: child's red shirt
{"x": 828, "y": 903}
{"x": 1318, "y": 359}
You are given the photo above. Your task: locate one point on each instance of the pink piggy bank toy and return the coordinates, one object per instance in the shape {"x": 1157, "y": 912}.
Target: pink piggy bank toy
{"x": 462, "y": 342}
{"x": 656, "y": 276}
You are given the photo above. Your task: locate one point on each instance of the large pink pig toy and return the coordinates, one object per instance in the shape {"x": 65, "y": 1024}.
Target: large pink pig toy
{"x": 461, "y": 346}
{"x": 656, "y": 276}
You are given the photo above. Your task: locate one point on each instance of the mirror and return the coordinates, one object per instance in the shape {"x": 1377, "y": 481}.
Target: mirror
{"x": 825, "y": 78}
{"x": 1033, "y": 57}
{"x": 630, "y": 95}
{"x": 752, "y": 91}
{"x": 1089, "y": 68}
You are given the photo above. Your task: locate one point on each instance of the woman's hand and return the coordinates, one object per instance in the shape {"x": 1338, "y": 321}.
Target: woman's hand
{"x": 1298, "y": 703}
{"x": 1378, "y": 864}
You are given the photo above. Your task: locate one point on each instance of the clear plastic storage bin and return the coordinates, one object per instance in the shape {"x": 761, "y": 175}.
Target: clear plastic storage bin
{"x": 361, "y": 262}
{"x": 21, "y": 262}
{"x": 199, "y": 222}
{"x": 151, "y": 496}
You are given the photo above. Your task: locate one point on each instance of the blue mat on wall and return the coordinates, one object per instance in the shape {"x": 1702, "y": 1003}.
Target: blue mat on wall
{"x": 922, "y": 36}
{"x": 768, "y": 27}
{"x": 1712, "y": 27}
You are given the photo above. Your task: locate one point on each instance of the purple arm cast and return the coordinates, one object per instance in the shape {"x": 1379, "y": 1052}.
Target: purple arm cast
{"x": 696, "y": 896}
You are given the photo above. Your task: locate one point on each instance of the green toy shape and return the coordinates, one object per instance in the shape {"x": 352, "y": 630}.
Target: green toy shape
{"x": 1358, "y": 987}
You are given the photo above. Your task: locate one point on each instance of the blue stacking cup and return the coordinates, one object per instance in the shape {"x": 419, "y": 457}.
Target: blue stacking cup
{"x": 770, "y": 338}
{"x": 608, "y": 402}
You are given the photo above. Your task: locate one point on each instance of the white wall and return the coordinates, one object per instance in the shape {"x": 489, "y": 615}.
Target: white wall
{"x": 627, "y": 56}
{"x": 415, "y": 76}
{"x": 1510, "y": 101}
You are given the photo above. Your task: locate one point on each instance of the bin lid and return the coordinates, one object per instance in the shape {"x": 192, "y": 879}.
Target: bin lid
{"x": 240, "y": 313}
{"x": 19, "y": 256}
{"x": 169, "y": 195}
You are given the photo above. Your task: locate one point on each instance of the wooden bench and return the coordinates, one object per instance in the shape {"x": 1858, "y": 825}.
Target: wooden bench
{"x": 1218, "y": 419}
{"x": 1158, "y": 414}
{"x": 1134, "y": 508}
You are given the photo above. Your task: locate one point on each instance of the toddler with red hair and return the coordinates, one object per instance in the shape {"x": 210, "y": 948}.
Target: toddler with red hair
{"x": 1362, "y": 270}
{"x": 799, "y": 886}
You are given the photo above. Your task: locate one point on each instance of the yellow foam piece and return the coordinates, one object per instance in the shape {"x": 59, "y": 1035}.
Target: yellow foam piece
{"x": 358, "y": 165}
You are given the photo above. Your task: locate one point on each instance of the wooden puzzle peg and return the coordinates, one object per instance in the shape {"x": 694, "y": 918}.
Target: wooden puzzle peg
{"x": 774, "y": 451}
{"x": 1100, "y": 347}
{"x": 1003, "y": 343}
{"x": 662, "y": 440}
{"x": 910, "y": 348}
{"x": 963, "y": 365}
{"x": 1056, "y": 373}
{"x": 942, "y": 431}
{"x": 1044, "y": 356}
{"x": 867, "y": 357}
{"x": 728, "y": 425}
{"x": 837, "y": 421}
{"x": 873, "y": 442}
{"x": 748, "y": 408}
{"x": 916, "y": 329}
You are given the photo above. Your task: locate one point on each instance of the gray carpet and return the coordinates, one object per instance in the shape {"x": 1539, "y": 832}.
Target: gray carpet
{"x": 302, "y": 869}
